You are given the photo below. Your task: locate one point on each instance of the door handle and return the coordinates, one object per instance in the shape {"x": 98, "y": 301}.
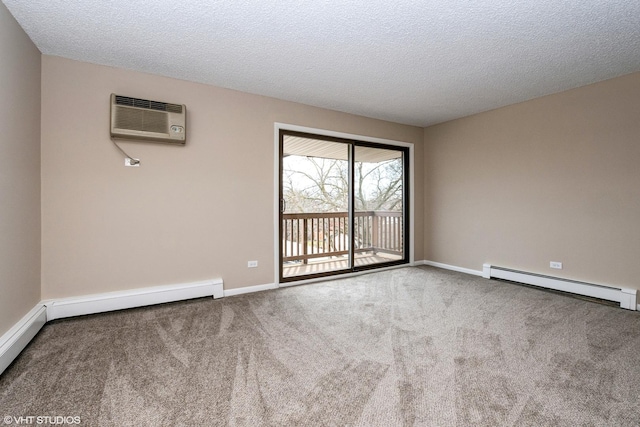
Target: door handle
{"x": 283, "y": 205}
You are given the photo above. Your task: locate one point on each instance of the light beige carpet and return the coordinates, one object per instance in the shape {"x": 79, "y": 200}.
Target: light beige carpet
{"x": 413, "y": 346}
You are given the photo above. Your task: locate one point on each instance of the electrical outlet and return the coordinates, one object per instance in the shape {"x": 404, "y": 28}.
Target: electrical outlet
{"x": 555, "y": 264}
{"x": 252, "y": 264}
{"x": 134, "y": 163}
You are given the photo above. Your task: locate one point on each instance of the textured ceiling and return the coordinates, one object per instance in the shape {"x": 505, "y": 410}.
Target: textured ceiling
{"x": 414, "y": 62}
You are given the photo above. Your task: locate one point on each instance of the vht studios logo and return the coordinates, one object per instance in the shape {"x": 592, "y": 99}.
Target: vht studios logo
{"x": 41, "y": 419}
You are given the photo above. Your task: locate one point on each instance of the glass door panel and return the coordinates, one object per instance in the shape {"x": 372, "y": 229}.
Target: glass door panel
{"x": 379, "y": 206}
{"x": 314, "y": 206}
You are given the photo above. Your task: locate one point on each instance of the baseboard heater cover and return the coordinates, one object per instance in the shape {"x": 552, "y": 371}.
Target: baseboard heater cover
{"x": 119, "y": 300}
{"x": 626, "y": 297}
{"x": 17, "y": 338}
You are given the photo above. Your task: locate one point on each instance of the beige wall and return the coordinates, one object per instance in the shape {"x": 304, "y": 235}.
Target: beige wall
{"x": 19, "y": 172}
{"x": 188, "y": 213}
{"x": 552, "y": 179}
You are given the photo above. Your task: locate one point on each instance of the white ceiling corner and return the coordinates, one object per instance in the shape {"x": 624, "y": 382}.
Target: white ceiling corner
{"x": 413, "y": 62}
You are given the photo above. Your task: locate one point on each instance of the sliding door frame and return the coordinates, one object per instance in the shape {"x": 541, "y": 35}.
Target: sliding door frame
{"x": 406, "y": 202}
{"x": 353, "y": 141}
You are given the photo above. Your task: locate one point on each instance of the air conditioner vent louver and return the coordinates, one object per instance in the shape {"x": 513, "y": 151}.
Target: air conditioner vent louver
{"x": 142, "y": 119}
{"x": 149, "y": 105}
{"x": 146, "y": 121}
{"x": 173, "y": 108}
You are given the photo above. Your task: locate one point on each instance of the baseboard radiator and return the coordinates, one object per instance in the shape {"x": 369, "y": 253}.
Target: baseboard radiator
{"x": 17, "y": 338}
{"x": 626, "y": 297}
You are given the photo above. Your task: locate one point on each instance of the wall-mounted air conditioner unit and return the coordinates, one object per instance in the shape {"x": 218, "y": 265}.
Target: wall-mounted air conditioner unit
{"x": 141, "y": 119}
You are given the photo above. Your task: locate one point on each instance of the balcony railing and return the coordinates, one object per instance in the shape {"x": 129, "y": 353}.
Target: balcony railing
{"x": 308, "y": 236}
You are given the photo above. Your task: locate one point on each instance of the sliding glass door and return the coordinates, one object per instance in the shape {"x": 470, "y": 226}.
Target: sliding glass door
{"x": 379, "y": 205}
{"x": 343, "y": 205}
{"x": 314, "y": 207}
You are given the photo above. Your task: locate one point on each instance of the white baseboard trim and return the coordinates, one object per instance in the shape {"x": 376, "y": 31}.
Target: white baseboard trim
{"x": 17, "y": 338}
{"x": 249, "y": 289}
{"x": 110, "y": 301}
{"x": 626, "y": 297}
{"x": 451, "y": 267}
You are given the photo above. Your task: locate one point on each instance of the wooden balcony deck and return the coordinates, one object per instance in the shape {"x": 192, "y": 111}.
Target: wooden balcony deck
{"x": 335, "y": 264}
